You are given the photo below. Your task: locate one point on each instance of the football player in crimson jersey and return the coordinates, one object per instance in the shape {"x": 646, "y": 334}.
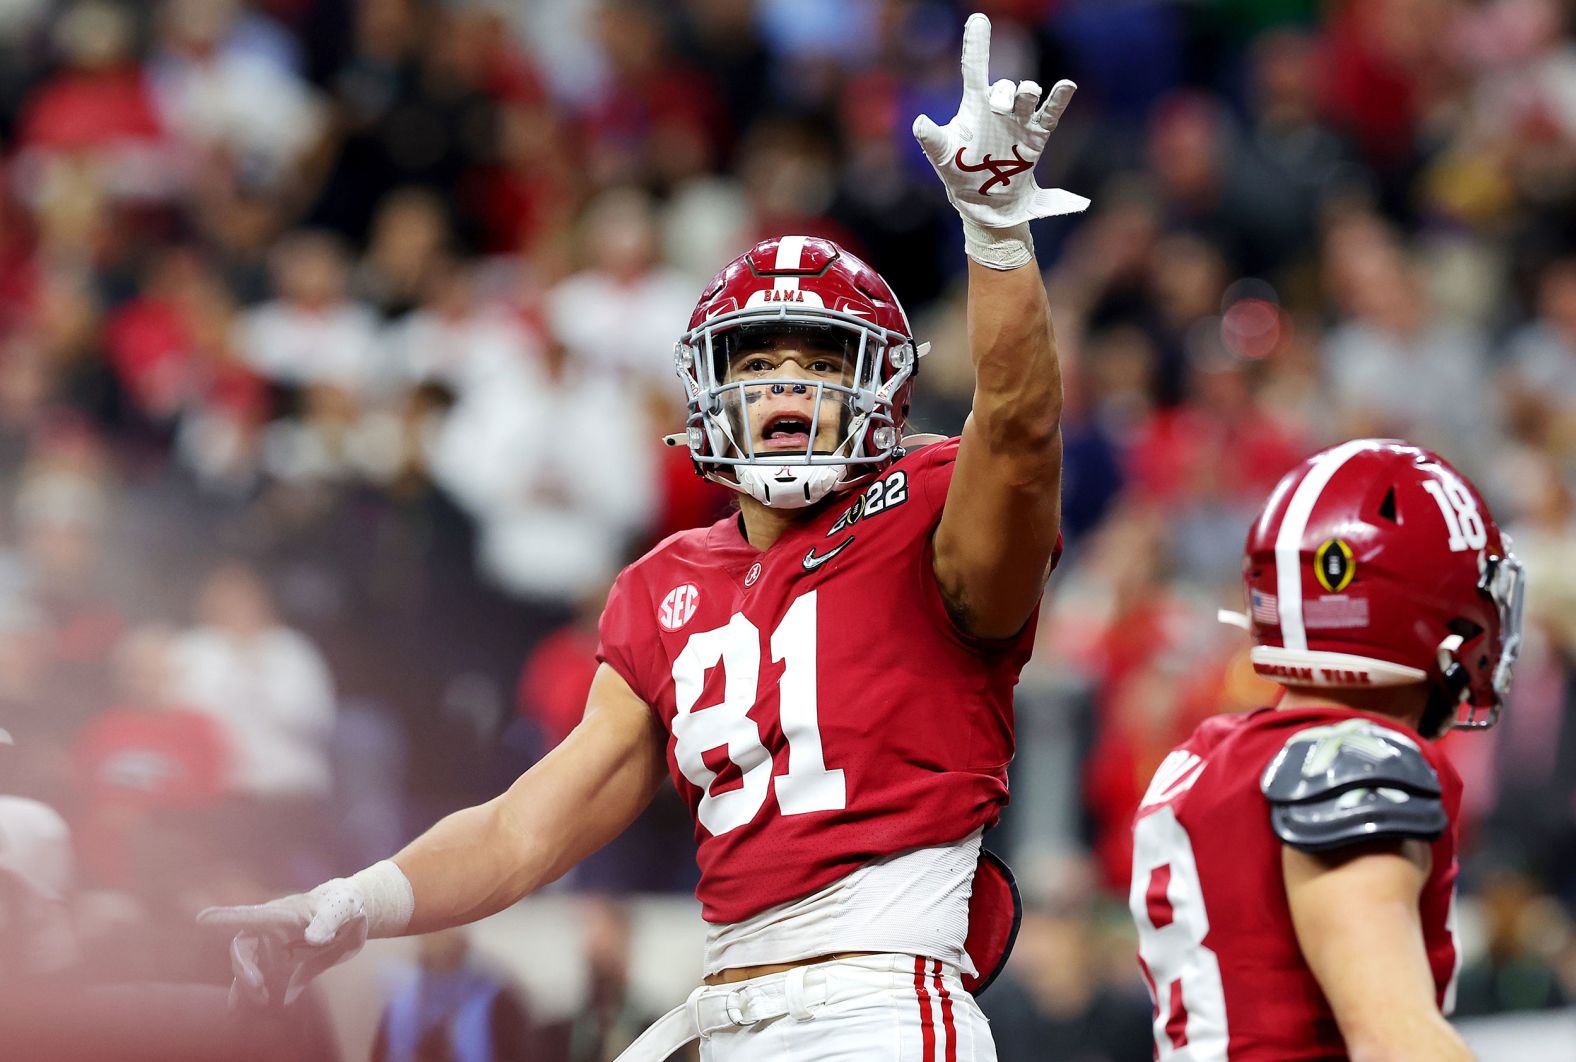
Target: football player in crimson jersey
{"x": 1294, "y": 867}
{"x": 825, "y": 675}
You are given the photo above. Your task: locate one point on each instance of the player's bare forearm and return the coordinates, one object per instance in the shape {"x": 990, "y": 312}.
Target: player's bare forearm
{"x": 581, "y": 795}
{"x": 1003, "y": 509}
{"x": 1358, "y": 926}
{"x": 1017, "y": 408}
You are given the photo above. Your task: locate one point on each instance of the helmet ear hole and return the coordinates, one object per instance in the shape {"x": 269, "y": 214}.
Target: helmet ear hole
{"x": 1465, "y": 628}
{"x": 1387, "y": 507}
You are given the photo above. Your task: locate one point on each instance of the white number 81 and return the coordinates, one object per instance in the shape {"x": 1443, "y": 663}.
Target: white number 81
{"x": 807, "y": 785}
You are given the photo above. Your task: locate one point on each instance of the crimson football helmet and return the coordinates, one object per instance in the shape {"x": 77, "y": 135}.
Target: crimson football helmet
{"x": 798, "y": 290}
{"x": 1375, "y": 563}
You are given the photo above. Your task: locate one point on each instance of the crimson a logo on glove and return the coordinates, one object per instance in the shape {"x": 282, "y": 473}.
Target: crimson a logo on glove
{"x": 1002, "y": 171}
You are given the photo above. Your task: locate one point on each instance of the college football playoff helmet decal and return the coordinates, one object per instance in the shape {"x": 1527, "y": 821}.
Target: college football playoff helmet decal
{"x": 806, "y": 293}
{"x": 1376, "y": 563}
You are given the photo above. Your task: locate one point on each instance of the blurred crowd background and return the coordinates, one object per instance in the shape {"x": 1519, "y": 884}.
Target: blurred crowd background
{"x": 335, "y": 353}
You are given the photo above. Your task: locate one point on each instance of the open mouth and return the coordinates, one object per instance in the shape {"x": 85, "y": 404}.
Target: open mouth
{"x": 786, "y": 431}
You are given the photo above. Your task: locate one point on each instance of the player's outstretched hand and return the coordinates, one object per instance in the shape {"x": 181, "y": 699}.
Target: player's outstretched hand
{"x": 281, "y": 945}
{"x": 986, "y": 154}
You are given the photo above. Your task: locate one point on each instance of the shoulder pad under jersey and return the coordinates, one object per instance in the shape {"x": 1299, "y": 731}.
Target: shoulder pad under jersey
{"x": 1349, "y": 782}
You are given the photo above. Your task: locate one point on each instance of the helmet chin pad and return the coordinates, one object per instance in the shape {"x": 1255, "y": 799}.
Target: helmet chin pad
{"x": 788, "y": 486}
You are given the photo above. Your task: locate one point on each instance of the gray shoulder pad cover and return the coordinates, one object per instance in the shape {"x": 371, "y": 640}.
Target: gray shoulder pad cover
{"x": 1349, "y": 782}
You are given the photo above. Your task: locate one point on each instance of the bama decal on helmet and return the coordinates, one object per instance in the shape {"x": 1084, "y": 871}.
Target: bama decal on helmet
{"x": 775, "y": 295}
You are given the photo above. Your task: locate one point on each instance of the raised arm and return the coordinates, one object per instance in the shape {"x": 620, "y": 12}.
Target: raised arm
{"x": 473, "y": 863}
{"x": 999, "y": 526}
{"x": 1003, "y": 509}
{"x": 1356, "y": 916}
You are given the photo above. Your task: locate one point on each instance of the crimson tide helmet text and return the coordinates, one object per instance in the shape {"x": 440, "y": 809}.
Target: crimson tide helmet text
{"x": 1375, "y": 563}
{"x": 800, "y": 291}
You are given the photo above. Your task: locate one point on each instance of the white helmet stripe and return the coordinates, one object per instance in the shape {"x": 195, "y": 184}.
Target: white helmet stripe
{"x": 790, "y": 255}
{"x": 1288, "y": 543}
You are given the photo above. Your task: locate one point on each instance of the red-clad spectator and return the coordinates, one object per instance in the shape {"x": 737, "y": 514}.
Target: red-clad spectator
{"x": 1151, "y": 670}
{"x": 97, "y": 107}
{"x": 143, "y": 762}
{"x": 18, "y": 271}
{"x": 474, "y": 43}
{"x": 525, "y": 198}
{"x": 170, "y": 345}
{"x": 1381, "y": 58}
{"x": 686, "y": 499}
{"x": 657, "y": 114}
{"x": 1171, "y": 689}
{"x": 557, "y": 676}
{"x": 1231, "y": 449}
{"x": 148, "y": 347}
{"x": 100, "y": 99}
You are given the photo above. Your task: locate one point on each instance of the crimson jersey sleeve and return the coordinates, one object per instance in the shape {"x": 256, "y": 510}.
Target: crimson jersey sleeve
{"x": 834, "y": 644}
{"x": 616, "y": 637}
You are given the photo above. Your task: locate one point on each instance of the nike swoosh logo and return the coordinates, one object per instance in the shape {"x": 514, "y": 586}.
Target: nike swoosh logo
{"x": 813, "y": 560}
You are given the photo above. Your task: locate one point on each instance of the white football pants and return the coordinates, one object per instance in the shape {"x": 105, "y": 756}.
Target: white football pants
{"x": 872, "y": 1008}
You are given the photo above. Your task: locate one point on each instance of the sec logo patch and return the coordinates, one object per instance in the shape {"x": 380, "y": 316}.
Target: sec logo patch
{"x": 679, "y": 606}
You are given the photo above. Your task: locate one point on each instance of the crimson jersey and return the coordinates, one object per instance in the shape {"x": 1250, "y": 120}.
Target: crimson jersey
{"x": 822, "y": 708}
{"x": 1216, "y": 941}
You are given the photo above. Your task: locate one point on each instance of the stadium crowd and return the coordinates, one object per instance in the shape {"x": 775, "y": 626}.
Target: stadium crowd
{"x": 335, "y": 356}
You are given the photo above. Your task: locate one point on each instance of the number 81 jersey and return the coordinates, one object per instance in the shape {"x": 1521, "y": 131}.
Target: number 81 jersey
{"x": 822, "y": 709}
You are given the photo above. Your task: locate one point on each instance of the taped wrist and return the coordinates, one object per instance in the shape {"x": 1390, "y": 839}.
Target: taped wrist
{"x": 390, "y": 902}
{"x": 1006, "y": 248}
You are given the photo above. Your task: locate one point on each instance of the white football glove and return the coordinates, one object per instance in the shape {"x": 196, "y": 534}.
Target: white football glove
{"x": 986, "y": 154}
{"x": 281, "y": 945}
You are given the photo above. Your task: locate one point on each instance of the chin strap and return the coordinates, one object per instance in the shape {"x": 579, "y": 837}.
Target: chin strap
{"x": 789, "y": 486}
